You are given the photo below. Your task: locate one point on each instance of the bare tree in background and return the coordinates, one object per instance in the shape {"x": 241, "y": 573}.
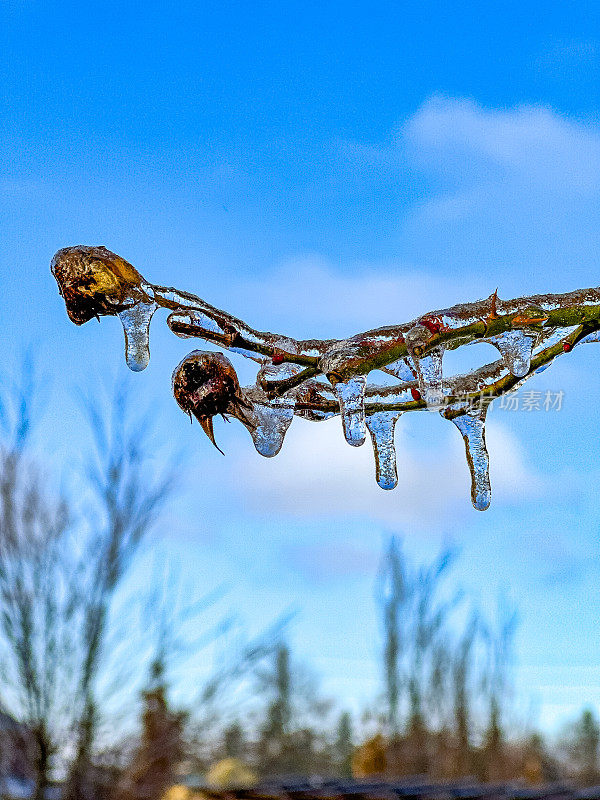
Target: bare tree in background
{"x": 40, "y": 599}
{"x": 126, "y": 500}
{"x": 393, "y": 597}
{"x": 500, "y": 638}
{"x": 344, "y": 745}
{"x": 277, "y": 724}
{"x": 59, "y": 572}
{"x": 172, "y": 636}
{"x": 462, "y": 680}
{"x": 429, "y": 619}
{"x": 581, "y": 746}
{"x": 291, "y": 738}
{"x": 446, "y": 673}
{"x": 415, "y": 654}
{"x": 162, "y": 744}
{"x": 215, "y": 730}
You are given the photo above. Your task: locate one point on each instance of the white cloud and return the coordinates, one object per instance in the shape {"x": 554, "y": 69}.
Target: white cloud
{"x": 318, "y": 475}
{"x": 533, "y": 144}
{"x": 497, "y": 185}
{"x": 308, "y": 296}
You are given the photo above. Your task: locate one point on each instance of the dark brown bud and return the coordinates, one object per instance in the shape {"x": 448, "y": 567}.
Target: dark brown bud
{"x": 95, "y": 282}
{"x": 205, "y": 384}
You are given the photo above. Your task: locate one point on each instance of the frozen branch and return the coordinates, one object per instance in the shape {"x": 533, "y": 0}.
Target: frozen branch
{"x": 317, "y": 379}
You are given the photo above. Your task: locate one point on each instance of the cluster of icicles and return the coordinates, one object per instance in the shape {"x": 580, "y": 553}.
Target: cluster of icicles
{"x": 205, "y": 383}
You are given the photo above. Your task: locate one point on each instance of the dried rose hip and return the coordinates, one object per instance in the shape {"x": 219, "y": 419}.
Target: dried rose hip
{"x": 95, "y": 282}
{"x": 205, "y": 384}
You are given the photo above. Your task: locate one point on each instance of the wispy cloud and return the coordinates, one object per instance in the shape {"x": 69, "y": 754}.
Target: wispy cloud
{"x": 534, "y": 145}
{"x": 310, "y": 296}
{"x": 492, "y": 190}
{"x": 318, "y": 475}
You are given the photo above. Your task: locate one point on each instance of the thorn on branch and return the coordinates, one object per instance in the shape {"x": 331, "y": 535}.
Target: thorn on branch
{"x": 493, "y": 312}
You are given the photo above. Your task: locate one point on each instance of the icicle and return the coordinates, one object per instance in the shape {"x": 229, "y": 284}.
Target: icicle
{"x": 273, "y": 422}
{"x": 136, "y": 326}
{"x": 351, "y": 397}
{"x": 471, "y": 425}
{"x": 381, "y": 426}
{"x": 428, "y": 367}
{"x": 515, "y": 348}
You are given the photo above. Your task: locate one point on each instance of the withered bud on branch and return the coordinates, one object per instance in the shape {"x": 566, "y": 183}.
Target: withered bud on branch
{"x": 95, "y": 282}
{"x": 206, "y": 384}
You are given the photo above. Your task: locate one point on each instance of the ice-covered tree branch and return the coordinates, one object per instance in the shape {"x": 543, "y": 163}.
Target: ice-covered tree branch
{"x": 317, "y": 379}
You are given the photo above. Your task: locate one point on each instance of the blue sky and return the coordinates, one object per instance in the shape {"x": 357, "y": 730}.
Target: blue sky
{"x": 318, "y": 169}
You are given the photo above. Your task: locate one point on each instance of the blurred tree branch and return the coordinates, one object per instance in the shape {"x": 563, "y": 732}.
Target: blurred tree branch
{"x": 59, "y": 570}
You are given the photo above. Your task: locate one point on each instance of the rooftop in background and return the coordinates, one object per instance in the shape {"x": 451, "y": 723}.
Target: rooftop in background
{"x": 414, "y": 788}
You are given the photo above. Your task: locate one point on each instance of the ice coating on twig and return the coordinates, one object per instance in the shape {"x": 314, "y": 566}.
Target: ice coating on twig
{"x": 195, "y": 319}
{"x": 270, "y": 373}
{"x": 471, "y": 425}
{"x": 381, "y": 427}
{"x": 351, "y": 397}
{"x": 401, "y": 369}
{"x": 136, "y": 326}
{"x": 272, "y": 423}
{"x": 551, "y": 336}
{"x": 516, "y": 348}
{"x": 591, "y": 337}
{"x": 309, "y": 395}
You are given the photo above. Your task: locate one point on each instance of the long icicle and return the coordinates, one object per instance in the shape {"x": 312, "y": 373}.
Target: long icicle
{"x": 381, "y": 426}
{"x": 471, "y": 425}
